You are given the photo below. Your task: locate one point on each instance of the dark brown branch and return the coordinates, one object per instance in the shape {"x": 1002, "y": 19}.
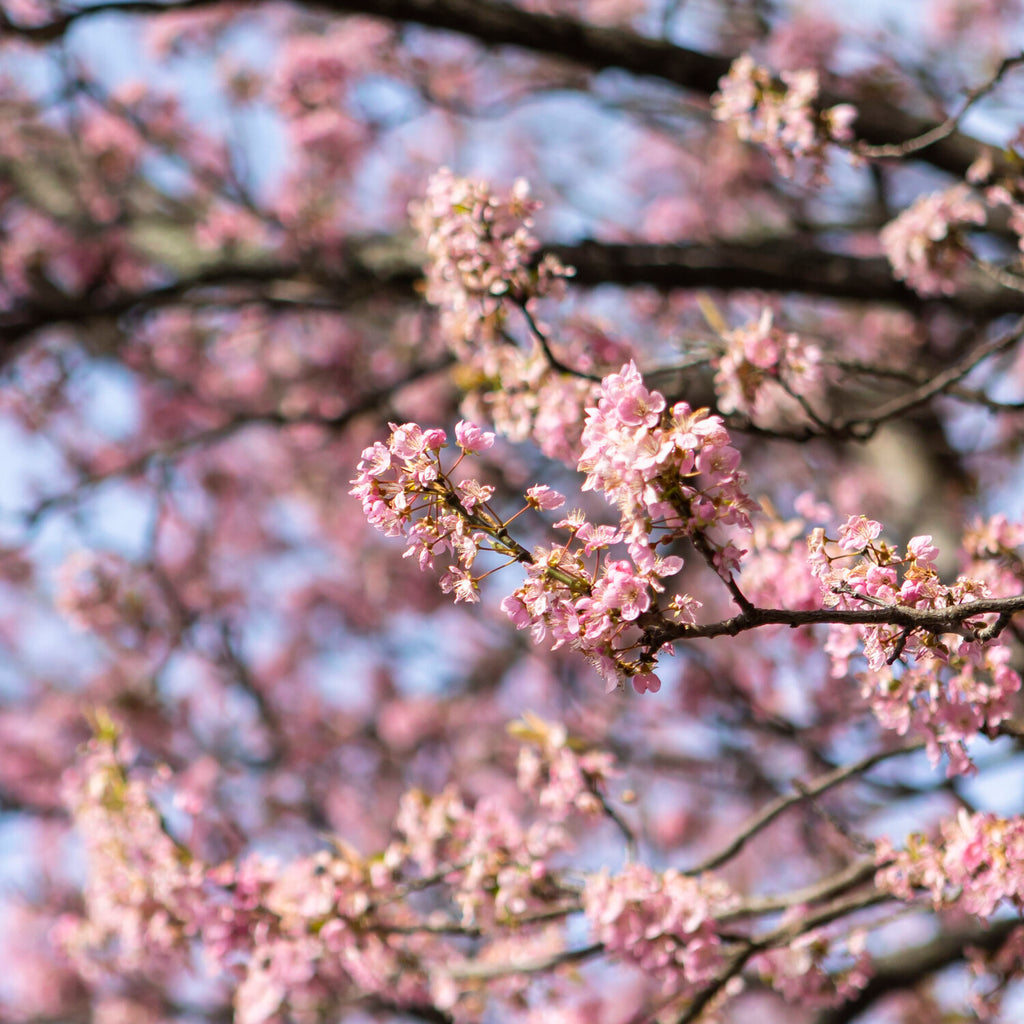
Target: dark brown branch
{"x": 929, "y": 620}
{"x": 591, "y": 46}
{"x": 779, "y": 265}
{"x": 784, "y": 266}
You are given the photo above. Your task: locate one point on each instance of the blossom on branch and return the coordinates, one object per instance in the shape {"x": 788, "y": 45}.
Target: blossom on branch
{"x": 949, "y": 687}
{"x": 925, "y": 244}
{"x": 481, "y": 252}
{"x": 782, "y": 118}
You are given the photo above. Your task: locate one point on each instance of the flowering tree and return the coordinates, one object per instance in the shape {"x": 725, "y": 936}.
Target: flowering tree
{"x": 511, "y": 511}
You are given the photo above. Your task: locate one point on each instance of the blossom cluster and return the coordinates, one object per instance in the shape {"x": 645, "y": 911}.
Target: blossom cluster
{"x": 403, "y": 478}
{"x": 495, "y": 867}
{"x": 553, "y": 770}
{"x": 992, "y": 548}
{"x": 670, "y": 472}
{"x": 593, "y": 612}
{"x": 975, "y": 863}
{"x": 141, "y": 885}
{"x": 758, "y": 355}
{"x": 664, "y": 923}
{"x": 480, "y": 252}
{"x": 782, "y": 118}
{"x": 950, "y": 687}
{"x": 925, "y": 243}
{"x": 481, "y": 261}
{"x": 807, "y": 973}
{"x": 526, "y": 398}
{"x": 297, "y": 936}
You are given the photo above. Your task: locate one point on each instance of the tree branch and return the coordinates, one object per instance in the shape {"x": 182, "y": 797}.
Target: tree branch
{"x": 783, "y": 266}
{"x": 592, "y": 46}
{"x": 930, "y": 620}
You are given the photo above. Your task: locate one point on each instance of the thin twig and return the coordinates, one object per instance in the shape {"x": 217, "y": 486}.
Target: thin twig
{"x": 803, "y": 791}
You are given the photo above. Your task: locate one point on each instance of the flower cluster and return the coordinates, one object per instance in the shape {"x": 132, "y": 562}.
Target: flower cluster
{"x": 925, "y": 244}
{"x": 593, "y": 612}
{"x": 525, "y": 397}
{"x": 781, "y": 118}
{"x": 807, "y": 973}
{"x": 663, "y": 923}
{"x": 481, "y": 261}
{"x": 950, "y": 686}
{"x": 992, "y": 549}
{"x": 976, "y": 862}
{"x": 563, "y": 778}
{"x": 670, "y": 472}
{"x": 142, "y": 885}
{"x": 757, "y": 355}
{"x": 480, "y": 252}
{"x": 330, "y": 924}
{"x": 494, "y": 865}
{"x": 403, "y": 478}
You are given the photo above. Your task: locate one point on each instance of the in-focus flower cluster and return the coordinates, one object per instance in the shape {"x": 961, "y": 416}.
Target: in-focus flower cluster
{"x": 480, "y": 252}
{"x": 404, "y": 491}
{"x": 663, "y": 923}
{"x": 758, "y": 356}
{"x": 925, "y": 243}
{"x": 670, "y": 472}
{"x": 782, "y": 118}
{"x": 592, "y": 611}
{"x": 950, "y": 687}
{"x": 976, "y": 862}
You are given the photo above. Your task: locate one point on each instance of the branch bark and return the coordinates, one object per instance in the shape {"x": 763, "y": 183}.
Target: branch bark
{"x": 592, "y": 46}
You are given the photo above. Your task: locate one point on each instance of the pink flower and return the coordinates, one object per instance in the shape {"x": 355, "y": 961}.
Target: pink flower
{"x": 858, "y": 532}
{"x": 646, "y": 682}
{"x": 924, "y": 243}
{"x": 783, "y": 120}
{"x": 471, "y": 438}
{"x": 540, "y": 496}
